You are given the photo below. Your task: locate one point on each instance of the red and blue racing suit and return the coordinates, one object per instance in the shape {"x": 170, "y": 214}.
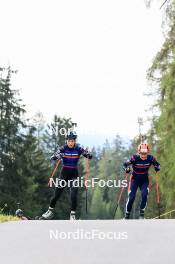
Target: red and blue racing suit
{"x": 139, "y": 178}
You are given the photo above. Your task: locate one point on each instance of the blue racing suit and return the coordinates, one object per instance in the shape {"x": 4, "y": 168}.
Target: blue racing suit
{"x": 69, "y": 171}
{"x": 139, "y": 178}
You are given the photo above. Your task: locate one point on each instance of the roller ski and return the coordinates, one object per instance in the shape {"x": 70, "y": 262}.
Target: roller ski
{"x": 141, "y": 216}
{"x": 72, "y": 216}
{"x": 47, "y": 215}
{"x": 127, "y": 216}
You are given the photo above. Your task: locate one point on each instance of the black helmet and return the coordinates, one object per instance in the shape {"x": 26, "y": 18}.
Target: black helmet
{"x": 72, "y": 135}
{"x": 19, "y": 213}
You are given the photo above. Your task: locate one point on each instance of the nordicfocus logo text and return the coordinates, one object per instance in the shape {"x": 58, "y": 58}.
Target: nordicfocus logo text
{"x": 81, "y": 234}
{"x": 92, "y": 183}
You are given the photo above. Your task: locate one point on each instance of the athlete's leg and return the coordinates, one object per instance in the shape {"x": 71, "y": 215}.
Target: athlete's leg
{"x": 144, "y": 187}
{"x": 59, "y": 189}
{"x": 132, "y": 189}
{"x": 74, "y": 189}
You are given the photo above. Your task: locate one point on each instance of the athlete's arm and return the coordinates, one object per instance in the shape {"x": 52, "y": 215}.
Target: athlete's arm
{"x": 156, "y": 164}
{"x": 58, "y": 154}
{"x": 85, "y": 152}
{"x": 128, "y": 163}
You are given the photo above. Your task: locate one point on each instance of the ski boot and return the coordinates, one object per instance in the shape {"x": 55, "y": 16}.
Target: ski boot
{"x": 47, "y": 215}
{"x": 141, "y": 217}
{"x": 72, "y": 215}
{"x": 127, "y": 215}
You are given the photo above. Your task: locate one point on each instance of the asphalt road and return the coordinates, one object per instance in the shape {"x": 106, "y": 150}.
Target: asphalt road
{"x": 88, "y": 242}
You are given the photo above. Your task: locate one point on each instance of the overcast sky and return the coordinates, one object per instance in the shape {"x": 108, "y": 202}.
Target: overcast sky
{"x": 82, "y": 59}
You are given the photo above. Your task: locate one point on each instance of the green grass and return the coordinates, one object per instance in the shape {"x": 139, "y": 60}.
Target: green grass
{"x": 5, "y": 218}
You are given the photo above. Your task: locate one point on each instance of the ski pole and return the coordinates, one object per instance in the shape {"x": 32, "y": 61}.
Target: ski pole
{"x": 86, "y": 182}
{"x": 163, "y": 3}
{"x": 53, "y": 173}
{"x": 120, "y": 195}
{"x": 157, "y": 193}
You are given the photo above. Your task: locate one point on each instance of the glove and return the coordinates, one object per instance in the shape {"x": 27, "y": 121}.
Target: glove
{"x": 90, "y": 156}
{"x": 127, "y": 170}
{"x": 53, "y": 158}
{"x": 157, "y": 167}
{"x": 87, "y": 153}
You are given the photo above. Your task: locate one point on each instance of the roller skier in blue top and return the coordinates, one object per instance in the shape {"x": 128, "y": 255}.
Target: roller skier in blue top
{"x": 140, "y": 164}
{"x": 69, "y": 154}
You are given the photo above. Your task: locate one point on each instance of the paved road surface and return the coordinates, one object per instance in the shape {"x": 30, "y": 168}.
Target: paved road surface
{"x": 82, "y": 242}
